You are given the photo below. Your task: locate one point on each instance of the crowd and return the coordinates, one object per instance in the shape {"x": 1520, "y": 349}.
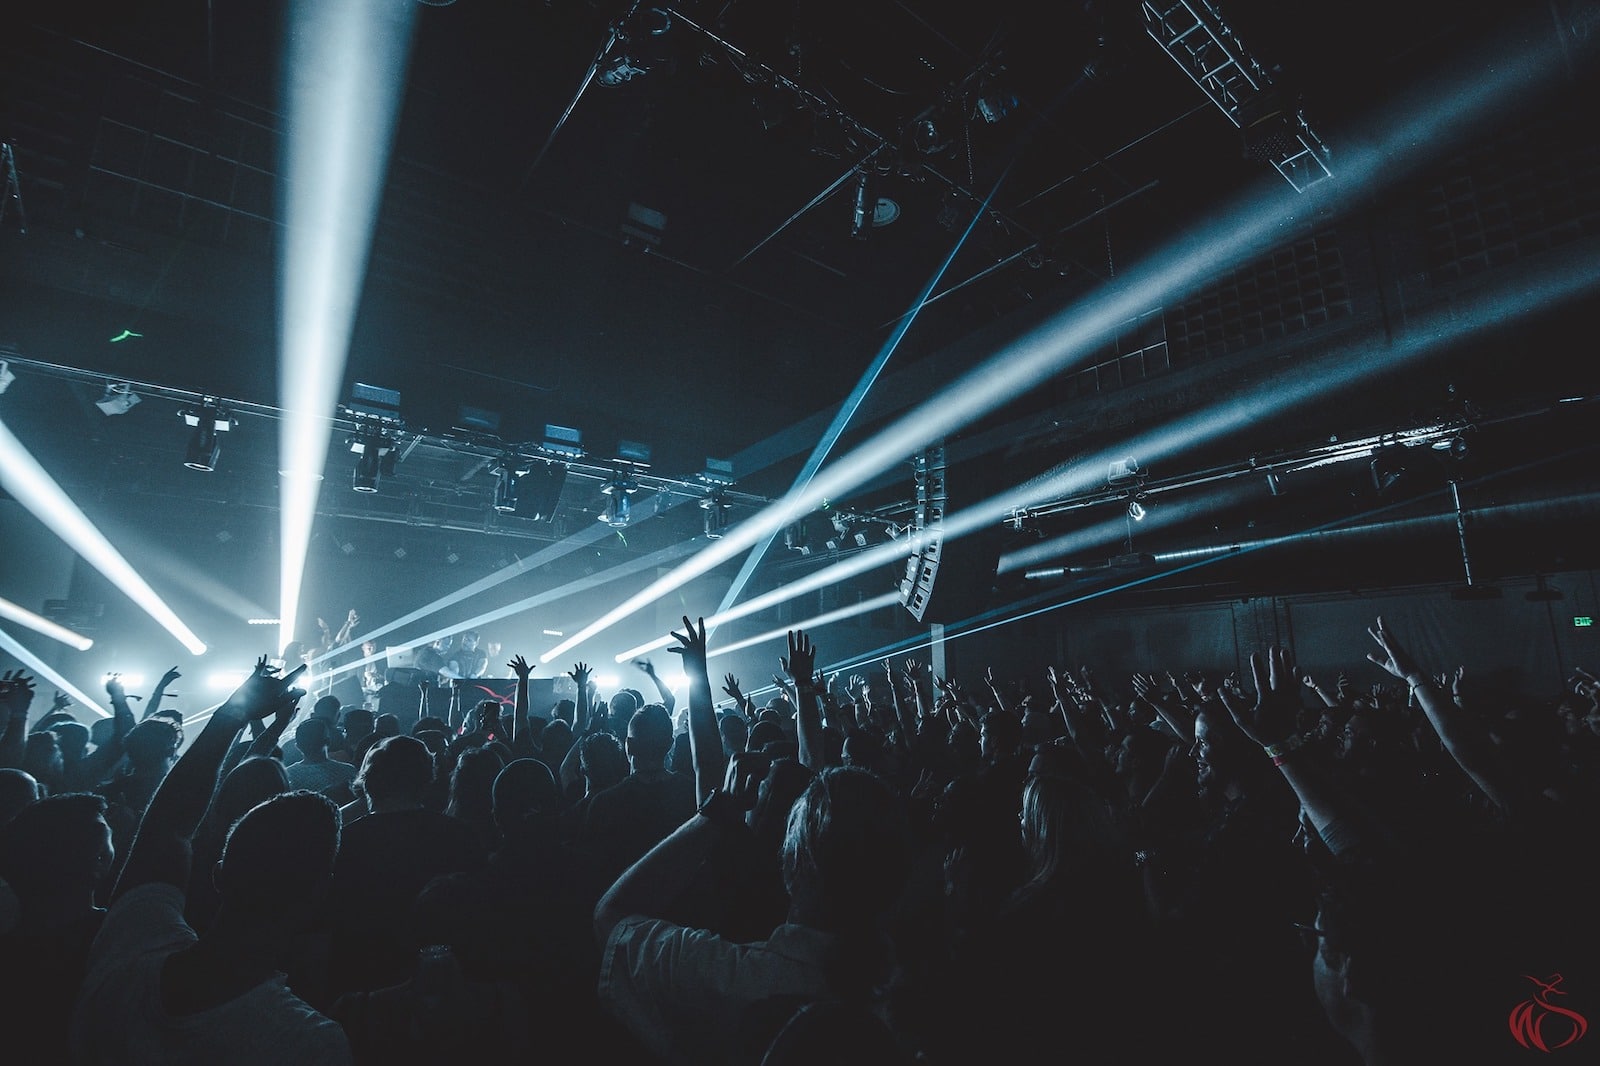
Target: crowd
{"x": 883, "y": 868}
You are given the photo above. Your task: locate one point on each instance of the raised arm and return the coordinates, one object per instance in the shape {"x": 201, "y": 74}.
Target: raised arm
{"x": 705, "y": 742}
{"x": 521, "y": 730}
{"x": 1270, "y": 722}
{"x": 746, "y": 705}
{"x": 1144, "y": 690}
{"x": 267, "y": 741}
{"x": 668, "y": 700}
{"x": 651, "y": 885}
{"x": 16, "y": 695}
{"x": 161, "y": 849}
{"x": 157, "y": 694}
{"x": 1463, "y": 737}
{"x": 801, "y": 664}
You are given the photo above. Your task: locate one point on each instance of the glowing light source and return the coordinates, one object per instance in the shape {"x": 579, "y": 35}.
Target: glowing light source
{"x": 40, "y": 624}
{"x": 26, "y": 480}
{"x": 20, "y": 652}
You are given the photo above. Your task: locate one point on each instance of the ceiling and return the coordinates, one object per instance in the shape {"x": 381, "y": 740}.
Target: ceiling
{"x": 506, "y": 275}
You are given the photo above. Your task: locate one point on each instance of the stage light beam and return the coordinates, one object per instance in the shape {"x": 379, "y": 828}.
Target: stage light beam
{"x": 27, "y": 482}
{"x": 344, "y": 71}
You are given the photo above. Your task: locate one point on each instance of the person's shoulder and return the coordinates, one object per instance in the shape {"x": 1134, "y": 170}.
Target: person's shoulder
{"x": 296, "y": 1031}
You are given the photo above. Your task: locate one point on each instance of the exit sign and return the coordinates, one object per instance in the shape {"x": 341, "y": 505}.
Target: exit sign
{"x": 1581, "y": 620}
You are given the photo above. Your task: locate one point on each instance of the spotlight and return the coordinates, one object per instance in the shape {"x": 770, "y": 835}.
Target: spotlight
{"x": 118, "y": 399}
{"x": 539, "y": 491}
{"x": 371, "y": 448}
{"x": 617, "y": 512}
{"x": 508, "y": 473}
{"x": 796, "y": 539}
{"x": 1136, "y": 510}
{"x": 6, "y": 376}
{"x": 204, "y": 444}
{"x": 1389, "y": 470}
{"x": 714, "y": 515}
{"x": 1274, "y": 484}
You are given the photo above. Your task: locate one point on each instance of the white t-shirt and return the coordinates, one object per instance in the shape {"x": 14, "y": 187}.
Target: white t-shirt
{"x": 119, "y": 1018}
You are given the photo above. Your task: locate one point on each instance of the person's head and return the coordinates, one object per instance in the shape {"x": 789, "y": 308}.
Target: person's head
{"x": 735, "y": 732}
{"x": 326, "y": 709}
{"x": 173, "y": 715}
{"x": 311, "y": 737}
{"x": 963, "y": 746}
{"x": 602, "y": 760}
{"x": 469, "y": 640}
{"x": 255, "y": 780}
{"x": 151, "y": 745}
{"x": 763, "y": 733}
{"x": 386, "y": 725}
{"x": 101, "y": 730}
{"x": 781, "y": 708}
{"x": 1065, "y": 825}
{"x": 369, "y": 648}
{"x": 864, "y": 750}
{"x": 1218, "y": 754}
{"x": 41, "y": 757}
{"x": 357, "y": 724}
{"x": 18, "y": 789}
{"x": 524, "y": 789}
{"x": 786, "y": 779}
{"x": 58, "y": 847}
{"x": 472, "y": 786}
{"x": 564, "y": 711}
{"x": 846, "y": 851}
{"x": 396, "y": 773}
{"x": 277, "y": 862}
{"x": 430, "y": 724}
{"x": 73, "y": 737}
{"x": 620, "y": 709}
{"x": 649, "y": 738}
{"x": 999, "y": 734}
{"x": 555, "y": 740}
{"x": 1141, "y": 753}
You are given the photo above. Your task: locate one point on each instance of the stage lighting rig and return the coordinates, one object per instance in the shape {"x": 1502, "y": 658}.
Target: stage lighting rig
{"x": 205, "y": 446}
{"x": 374, "y": 451}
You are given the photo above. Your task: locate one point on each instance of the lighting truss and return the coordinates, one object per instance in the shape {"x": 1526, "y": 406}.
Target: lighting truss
{"x": 1197, "y": 38}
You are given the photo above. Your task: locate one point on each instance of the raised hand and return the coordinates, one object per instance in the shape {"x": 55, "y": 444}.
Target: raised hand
{"x": 60, "y": 703}
{"x": 692, "y": 646}
{"x": 580, "y": 675}
{"x": 1395, "y": 659}
{"x": 730, "y": 685}
{"x": 16, "y": 691}
{"x": 646, "y": 665}
{"x": 1272, "y": 718}
{"x": 264, "y": 693}
{"x": 519, "y": 666}
{"x": 114, "y": 687}
{"x": 801, "y": 662}
{"x": 168, "y": 678}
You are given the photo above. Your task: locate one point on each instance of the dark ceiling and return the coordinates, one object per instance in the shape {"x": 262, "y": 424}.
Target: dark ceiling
{"x": 504, "y": 276}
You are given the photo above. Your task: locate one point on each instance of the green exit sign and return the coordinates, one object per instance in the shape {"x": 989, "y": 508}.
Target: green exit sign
{"x": 1581, "y": 620}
